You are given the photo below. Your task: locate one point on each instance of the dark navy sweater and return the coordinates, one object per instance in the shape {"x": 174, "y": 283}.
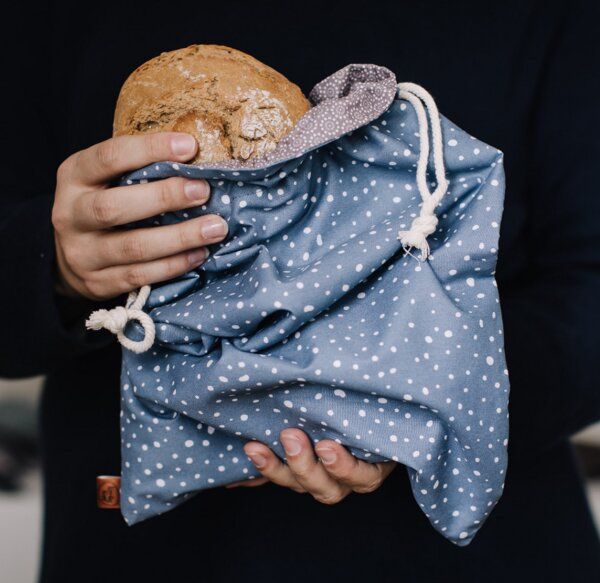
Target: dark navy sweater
{"x": 521, "y": 75}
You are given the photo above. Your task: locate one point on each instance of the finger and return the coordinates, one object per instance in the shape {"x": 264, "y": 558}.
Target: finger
{"x": 341, "y": 465}
{"x": 147, "y": 244}
{"x": 112, "y": 281}
{"x": 249, "y": 483}
{"x": 307, "y": 470}
{"x": 271, "y": 467}
{"x": 107, "y": 160}
{"x": 103, "y": 209}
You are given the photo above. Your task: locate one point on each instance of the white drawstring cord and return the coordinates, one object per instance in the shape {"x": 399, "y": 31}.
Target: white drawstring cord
{"x": 116, "y": 319}
{"x": 426, "y": 223}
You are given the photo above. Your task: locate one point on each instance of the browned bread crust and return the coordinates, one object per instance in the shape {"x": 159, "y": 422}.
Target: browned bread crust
{"x": 235, "y": 106}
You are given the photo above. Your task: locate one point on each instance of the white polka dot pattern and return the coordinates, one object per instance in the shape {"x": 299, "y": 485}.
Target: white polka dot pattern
{"x": 311, "y": 315}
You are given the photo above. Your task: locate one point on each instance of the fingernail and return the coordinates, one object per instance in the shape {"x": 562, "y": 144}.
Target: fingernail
{"x": 291, "y": 445}
{"x": 183, "y": 144}
{"x": 327, "y": 456}
{"x": 215, "y": 228}
{"x": 197, "y": 257}
{"x": 196, "y": 190}
{"x": 259, "y": 460}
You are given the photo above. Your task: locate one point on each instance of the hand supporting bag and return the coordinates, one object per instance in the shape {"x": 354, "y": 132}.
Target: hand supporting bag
{"x": 354, "y": 298}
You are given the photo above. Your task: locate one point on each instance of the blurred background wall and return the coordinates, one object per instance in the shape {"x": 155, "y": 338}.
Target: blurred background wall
{"x": 20, "y": 480}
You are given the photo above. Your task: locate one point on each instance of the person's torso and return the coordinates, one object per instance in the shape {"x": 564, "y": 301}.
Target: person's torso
{"x": 481, "y": 62}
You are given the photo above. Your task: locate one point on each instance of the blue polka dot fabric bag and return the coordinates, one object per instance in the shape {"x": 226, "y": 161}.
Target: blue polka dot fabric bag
{"x": 354, "y": 298}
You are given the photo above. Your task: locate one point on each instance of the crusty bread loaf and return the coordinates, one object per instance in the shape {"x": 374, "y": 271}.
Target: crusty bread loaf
{"x": 235, "y": 106}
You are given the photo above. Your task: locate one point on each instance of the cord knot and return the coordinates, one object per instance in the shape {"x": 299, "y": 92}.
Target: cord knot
{"x": 416, "y": 237}
{"x": 116, "y": 319}
{"x": 425, "y": 224}
{"x": 113, "y": 320}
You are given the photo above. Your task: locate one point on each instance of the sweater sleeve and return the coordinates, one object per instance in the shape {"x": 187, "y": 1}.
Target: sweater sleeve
{"x": 40, "y": 330}
{"x": 552, "y": 315}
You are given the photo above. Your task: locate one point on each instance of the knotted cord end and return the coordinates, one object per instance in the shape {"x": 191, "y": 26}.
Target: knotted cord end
{"x": 116, "y": 319}
{"x": 416, "y": 237}
{"x": 113, "y": 320}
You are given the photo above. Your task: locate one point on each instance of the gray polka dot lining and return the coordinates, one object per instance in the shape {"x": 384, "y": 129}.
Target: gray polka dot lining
{"x": 312, "y": 315}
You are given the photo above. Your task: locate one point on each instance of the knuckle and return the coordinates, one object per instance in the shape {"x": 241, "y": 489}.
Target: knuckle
{"x": 302, "y": 472}
{"x": 135, "y": 277}
{"x": 65, "y": 169}
{"x": 368, "y": 487}
{"x": 74, "y": 257}
{"x": 60, "y": 218}
{"x": 169, "y": 192}
{"x": 175, "y": 266}
{"x": 341, "y": 472}
{"x": 102, "y": 210}
{"x": 155, "y": 146}
{"x": 186, "y": 236}
{"x": 105, "y": 249}
{"x": 94, "y": 287}
{"x": 132, "y": 248}
{"x": 329, "y": 498}
{"x": 107, "y": 153}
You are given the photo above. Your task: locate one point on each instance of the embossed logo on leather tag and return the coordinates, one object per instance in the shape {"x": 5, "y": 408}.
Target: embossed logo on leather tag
{"x": 108, "y": 491}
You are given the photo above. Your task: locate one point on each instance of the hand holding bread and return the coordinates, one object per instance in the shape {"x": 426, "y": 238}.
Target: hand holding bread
{"x": 230, "y": 106}
{"x": 97, "y": 261}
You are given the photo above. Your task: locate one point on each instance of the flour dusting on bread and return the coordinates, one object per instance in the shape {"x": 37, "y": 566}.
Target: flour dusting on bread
{"x": 236, "y": 107}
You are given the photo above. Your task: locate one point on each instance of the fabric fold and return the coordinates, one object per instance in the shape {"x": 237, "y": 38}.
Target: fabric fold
{"x": 312, "y": 314}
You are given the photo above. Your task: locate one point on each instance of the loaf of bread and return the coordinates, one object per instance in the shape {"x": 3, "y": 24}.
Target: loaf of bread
{"x": 235, "y": 106}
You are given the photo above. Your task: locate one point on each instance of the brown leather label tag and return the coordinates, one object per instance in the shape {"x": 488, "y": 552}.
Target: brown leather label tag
{"x": 108, "y": 491}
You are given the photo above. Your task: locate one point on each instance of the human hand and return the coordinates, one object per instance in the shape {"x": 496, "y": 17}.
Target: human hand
{"x": 328, "y": 471}
{"x": 95, "y": 260}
